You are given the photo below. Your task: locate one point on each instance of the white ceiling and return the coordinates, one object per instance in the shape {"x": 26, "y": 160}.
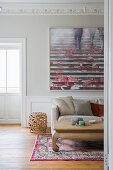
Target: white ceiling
{"x": 50, "y": 1}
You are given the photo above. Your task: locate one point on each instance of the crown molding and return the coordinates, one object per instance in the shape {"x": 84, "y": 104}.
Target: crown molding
{"x": 52, "y": 9}
{"x": 51, "y": 1}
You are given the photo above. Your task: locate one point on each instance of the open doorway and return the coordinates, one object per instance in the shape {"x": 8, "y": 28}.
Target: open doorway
{"x": 11, "y": 80}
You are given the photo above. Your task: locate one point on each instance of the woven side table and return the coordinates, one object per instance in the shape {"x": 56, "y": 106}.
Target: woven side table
{"x": 38, "y": 122}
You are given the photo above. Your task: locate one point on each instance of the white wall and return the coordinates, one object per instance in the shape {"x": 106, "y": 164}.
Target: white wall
{"x": 36, "y": 31}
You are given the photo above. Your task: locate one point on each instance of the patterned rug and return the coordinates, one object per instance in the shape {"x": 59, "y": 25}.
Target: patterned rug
{"x": 68, "y": 150}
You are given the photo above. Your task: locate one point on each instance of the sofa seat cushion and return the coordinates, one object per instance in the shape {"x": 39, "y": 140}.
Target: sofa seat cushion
{"x": 85, "y": 118}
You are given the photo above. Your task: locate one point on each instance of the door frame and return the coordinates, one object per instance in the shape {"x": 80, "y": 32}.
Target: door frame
{"x": 106, "y": 82}
{"x": 24, "y": 87}
{"x": 22, "y": 41}
{"x": 108, "y": 135}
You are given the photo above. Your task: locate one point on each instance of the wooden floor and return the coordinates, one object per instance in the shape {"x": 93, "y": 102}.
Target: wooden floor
{"x": 16, "y": 145}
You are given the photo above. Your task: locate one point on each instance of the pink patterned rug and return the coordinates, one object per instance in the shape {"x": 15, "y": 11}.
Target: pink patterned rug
{"x": 68, "y": 150}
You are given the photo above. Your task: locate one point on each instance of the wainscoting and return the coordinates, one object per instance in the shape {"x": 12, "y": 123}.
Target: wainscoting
{"x": 10, "y": 109}
{"x": 38, "y": 104}
{"x": 44, "y": 104}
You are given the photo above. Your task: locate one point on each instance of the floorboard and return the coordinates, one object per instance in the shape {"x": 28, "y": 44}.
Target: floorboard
{"x": 16, "y": 145}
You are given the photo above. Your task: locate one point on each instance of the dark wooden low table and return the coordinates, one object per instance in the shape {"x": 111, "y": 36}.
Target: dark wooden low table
{"x": 89, "y": 132}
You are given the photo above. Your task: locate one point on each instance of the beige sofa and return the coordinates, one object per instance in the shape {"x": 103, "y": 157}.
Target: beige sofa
{"x": 55, "y": 115}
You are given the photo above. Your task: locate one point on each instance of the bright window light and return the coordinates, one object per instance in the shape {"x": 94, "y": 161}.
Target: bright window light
{"x": 2, "y": 71}
{"x": 9, "y": 70}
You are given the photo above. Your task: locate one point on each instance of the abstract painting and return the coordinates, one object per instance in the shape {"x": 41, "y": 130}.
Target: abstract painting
{"x": 77, "y": 58}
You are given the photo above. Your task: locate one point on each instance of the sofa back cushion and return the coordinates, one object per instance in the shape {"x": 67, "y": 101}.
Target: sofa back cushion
{"x": 101, "y": 101}
{"x": 65, "y": 105}
{"x": 82, "y": 107}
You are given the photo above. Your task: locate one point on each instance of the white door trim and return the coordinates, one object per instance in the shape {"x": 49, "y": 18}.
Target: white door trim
{"x": 22, "y": 41}
{"x": 24, "y": 89}
{"x": 108, "y": 83}
{"x": 109, "y": 25}
{"x": 106, "y": 80}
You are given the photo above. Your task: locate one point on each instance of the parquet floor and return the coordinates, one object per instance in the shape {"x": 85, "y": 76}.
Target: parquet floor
{"x": 16, "y": 145}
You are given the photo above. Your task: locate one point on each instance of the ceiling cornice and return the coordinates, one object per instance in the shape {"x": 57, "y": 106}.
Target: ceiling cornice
{"x": 51, "y": 1}
{"x": 52, "y": 9}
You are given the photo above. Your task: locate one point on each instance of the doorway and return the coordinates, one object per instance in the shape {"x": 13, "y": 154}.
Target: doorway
{"x": 11, "y": 79}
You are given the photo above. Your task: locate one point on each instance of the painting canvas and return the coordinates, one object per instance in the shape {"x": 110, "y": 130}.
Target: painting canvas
{"x": 77, "y": 58}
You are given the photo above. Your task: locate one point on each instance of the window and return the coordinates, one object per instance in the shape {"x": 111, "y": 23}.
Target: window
{"x": 9, "y": 68}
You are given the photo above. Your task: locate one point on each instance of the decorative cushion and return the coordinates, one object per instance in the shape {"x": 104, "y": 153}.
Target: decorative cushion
{"x": 65, "y": 105}
{"x": 95, "y": 109}
{"x": 82, "y": 108}
{"x": 101, "y": 107}
{"x": 98, "y": 108}
{"x": 101, "y": 110}
{"x": 80, "y": 100}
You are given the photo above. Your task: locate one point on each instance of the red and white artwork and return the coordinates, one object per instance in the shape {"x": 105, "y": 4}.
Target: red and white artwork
{"x": 76, "y": 58}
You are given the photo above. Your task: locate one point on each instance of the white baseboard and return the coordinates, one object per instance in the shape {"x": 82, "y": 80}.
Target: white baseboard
{"x": 13, "y": 121}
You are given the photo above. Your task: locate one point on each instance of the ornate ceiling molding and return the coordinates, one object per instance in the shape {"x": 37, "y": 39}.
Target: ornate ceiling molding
{"x": 50, "y": 1}
{"x": 52, "y": 10}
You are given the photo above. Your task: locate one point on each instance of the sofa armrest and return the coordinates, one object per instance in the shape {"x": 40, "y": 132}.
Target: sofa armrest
{"x": 55, "y": 112}
{"x": 54, "y": 116}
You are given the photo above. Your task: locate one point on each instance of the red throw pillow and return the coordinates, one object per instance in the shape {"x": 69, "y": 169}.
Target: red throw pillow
{"x": 95, "y": 109}
{"x": 101, "y": 110}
